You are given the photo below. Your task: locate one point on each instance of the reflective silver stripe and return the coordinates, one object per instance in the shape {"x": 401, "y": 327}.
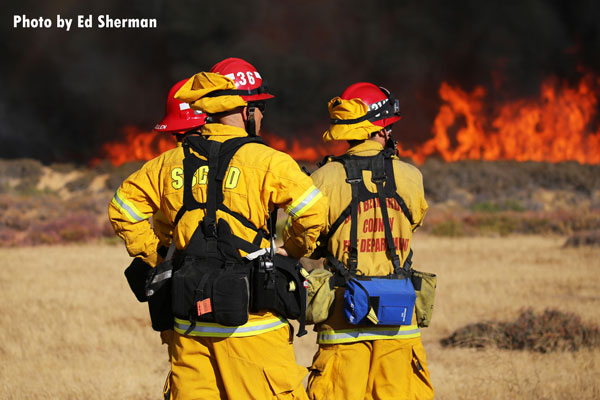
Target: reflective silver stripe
{"x": 162, "y": 276}
{"x": 257, "y": 253}
{"x": 129, "y": 210}
{"x": 305, "y": 201}
{"x": 351, "y": 335}
{"x": 212, "y": 329}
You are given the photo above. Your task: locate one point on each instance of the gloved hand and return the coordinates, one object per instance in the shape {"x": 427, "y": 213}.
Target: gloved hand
{"x": 136, "y": 275}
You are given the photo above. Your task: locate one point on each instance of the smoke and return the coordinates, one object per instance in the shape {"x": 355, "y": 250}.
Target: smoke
{"x": 65, "y": 93}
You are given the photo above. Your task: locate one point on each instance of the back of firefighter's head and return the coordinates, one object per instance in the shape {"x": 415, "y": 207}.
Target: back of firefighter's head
{"x": 233, "y": 90}
{"x": 364, "y": 110}
{"x": 179, "y": 117}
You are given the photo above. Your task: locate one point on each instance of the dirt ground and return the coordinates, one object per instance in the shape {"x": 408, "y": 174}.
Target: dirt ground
{"x": 70, "y": 327}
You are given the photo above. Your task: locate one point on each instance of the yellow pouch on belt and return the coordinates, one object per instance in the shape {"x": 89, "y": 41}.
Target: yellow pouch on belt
{"x": 320, "y": 296}
{"x": 424, "y": 283}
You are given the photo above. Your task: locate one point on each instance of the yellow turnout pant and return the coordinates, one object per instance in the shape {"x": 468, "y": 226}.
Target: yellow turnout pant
{"x": 253, "y": 367}
{"x": 377, "y": 369}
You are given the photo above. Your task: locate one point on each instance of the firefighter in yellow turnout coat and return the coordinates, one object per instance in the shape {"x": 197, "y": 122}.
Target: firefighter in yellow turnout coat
{"x": 368, "y": 361}
{"x": 209, "y": 360}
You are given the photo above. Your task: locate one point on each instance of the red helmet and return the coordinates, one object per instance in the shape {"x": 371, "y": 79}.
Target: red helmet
{"x": 377, "y": 98}
{"x": 179, "y": 117}
{"x": 248, "y": 81}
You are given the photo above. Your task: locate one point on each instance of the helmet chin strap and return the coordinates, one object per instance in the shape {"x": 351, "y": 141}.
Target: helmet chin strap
{"x": 250, "y": 122}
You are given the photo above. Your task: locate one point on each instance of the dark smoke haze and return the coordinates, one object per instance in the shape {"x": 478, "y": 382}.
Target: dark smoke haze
{"x": 63, "y": 94}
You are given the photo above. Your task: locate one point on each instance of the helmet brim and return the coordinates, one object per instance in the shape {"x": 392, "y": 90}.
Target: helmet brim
{"x": 172, "y": 124}
{"x": 258, "y": 97}
{"x": 384, "y": 123}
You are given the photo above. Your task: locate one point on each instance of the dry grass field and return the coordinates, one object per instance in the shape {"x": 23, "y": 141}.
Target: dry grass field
{"x": 71, "y": 329}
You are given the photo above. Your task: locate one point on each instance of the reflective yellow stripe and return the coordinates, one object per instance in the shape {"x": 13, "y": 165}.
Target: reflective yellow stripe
{"x": 304, "y": 202}
{"x": 127, "y": 208}
{"x": 368, "y": 333}
{"x": 212, "y": 329}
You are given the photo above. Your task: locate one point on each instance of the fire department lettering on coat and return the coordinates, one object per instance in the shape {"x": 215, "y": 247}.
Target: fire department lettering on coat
{"x": 201, "y": 175}
{"x": 373, "y": 203}
{"x": 376, "y": 225}
{"x": 377, "y": 244}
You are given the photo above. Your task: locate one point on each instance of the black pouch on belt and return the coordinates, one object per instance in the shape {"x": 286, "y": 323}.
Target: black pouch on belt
{"x": 158, "y": 292}
{"x": 278, "y": 285}
{"x": 211, "y": 290}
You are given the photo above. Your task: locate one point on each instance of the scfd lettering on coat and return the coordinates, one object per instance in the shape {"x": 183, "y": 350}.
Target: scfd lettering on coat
{"x": 232, "y": 177}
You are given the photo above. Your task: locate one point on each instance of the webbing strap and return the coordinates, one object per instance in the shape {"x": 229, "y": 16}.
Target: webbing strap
{"x": 218, "y": 155}
{"x": 404, "y": 208}
{"x": 353, "y": 177}
{"x": 210, "y": 219}
{"x": 379, "y": 177}
{"x": 239, "y": 92}
{"x": 382, "y": 172}
{"x": 390, "y": 108}
{"x": 191, "y": 163}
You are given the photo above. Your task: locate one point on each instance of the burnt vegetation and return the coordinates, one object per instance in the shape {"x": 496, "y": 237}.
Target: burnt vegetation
{"x": 504, "y": 197}
{"x": 67, "y": 203}
{"x": 551, "y": 330}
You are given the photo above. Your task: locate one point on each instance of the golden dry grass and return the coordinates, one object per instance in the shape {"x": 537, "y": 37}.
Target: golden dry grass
{"x": 71, "y": 329}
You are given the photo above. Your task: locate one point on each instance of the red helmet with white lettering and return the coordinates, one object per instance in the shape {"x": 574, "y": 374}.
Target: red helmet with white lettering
{"x": 384, "y": 109}
{"x": 361, "y": 110}
{"x": 179, "y": 116}
{"x": 248, "y": 82}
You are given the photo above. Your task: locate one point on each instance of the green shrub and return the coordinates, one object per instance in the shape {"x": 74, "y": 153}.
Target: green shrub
{"x": 450, "y": 227}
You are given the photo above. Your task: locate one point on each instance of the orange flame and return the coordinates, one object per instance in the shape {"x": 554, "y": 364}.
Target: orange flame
{"x": 305, "y": 149}
{"x": 555, "y": 127}
{"x": 136, "y": 145}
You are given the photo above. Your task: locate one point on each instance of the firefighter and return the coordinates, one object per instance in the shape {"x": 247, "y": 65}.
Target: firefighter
{"x": 179, "y": 120}
{"x": 367, "y": 361}
{"x": 253, "y": 359}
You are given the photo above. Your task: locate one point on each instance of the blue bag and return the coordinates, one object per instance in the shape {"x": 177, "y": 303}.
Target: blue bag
{"x": 382, "y": 301}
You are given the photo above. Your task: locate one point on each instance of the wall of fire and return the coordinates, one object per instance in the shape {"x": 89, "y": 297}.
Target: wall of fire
{"x": 482, "y": 80}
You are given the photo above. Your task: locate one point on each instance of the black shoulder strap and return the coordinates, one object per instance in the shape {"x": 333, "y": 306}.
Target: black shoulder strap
{"x": 210, "y": 219}
{"x": 354, "y": 178}
{"x": 217, "y": 157}
{"x": 191, "y": 163}
{"x": 379, "y": 177}
{"x": 382, "y": 174}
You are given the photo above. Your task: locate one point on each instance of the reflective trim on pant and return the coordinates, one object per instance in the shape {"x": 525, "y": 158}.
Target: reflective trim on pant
{"x": 212, "y": 329}
{"x": 368, "y": 333}
{"x": 371, "y": 370}
{"x": 236, "y": 368}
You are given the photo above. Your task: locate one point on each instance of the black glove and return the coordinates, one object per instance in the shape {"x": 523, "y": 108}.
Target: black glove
{"x": 136, "y": 275}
